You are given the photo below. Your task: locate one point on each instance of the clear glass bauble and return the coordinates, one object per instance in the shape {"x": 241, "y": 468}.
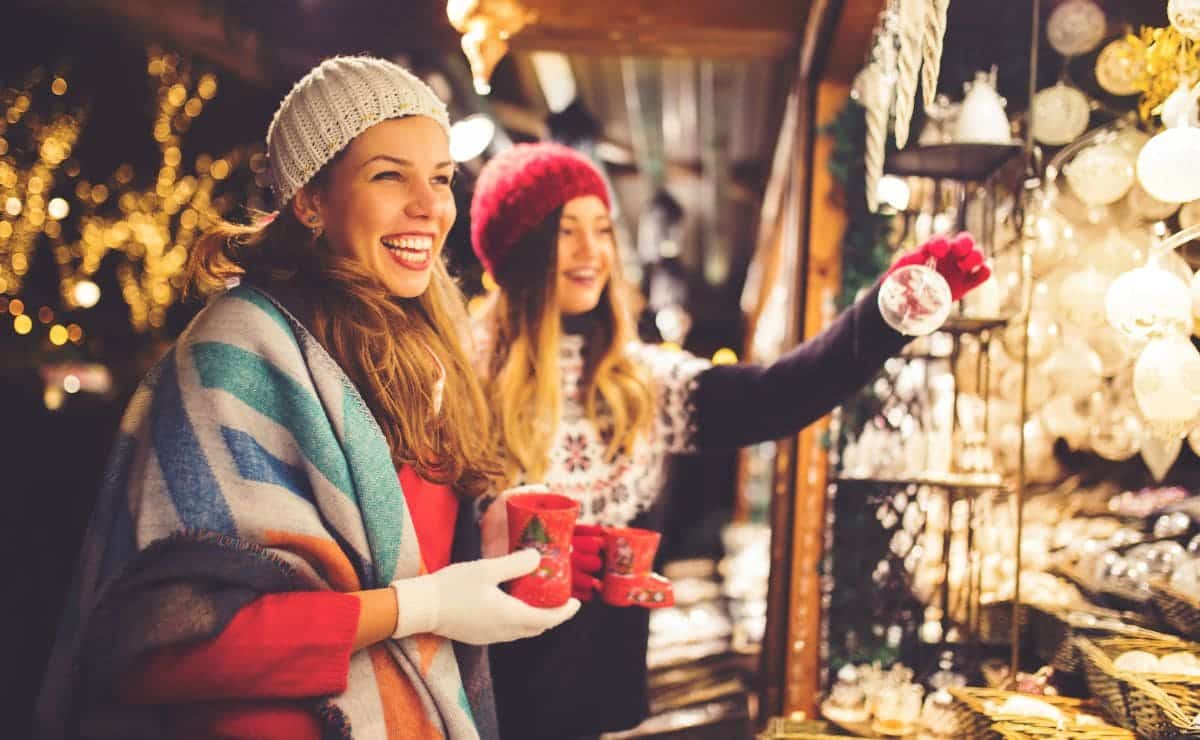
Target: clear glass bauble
{"x": 1100, "y": 174}
{"x": 915, "y": 300}
{"x": 1166, "y": 385}
{"x": 1076, "y": 27}
{"x": 1119, "y": 66}
{"x": 1060, "y": 114}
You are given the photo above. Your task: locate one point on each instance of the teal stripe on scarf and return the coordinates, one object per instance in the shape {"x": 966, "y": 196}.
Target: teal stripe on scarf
{"x": 250, "y": 295}
{"x": 382, "y": 504}
{"x": 274, "y": 394}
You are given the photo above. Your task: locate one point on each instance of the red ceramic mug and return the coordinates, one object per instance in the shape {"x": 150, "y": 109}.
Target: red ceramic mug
{"x": 543, "y": 521}
{"x": 628, "y": 557}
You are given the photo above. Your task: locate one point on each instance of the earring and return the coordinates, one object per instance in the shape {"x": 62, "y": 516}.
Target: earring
{"x": 315, "y": 227}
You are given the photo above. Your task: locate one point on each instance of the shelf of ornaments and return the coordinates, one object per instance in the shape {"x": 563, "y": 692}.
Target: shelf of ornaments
{"x": 954, "y": 481}
{"x": 964, "y": 162}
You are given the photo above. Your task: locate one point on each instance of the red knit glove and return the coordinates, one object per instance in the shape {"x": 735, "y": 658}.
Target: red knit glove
{"x": 586, "y": 544}
{"x": 958, "y": 260}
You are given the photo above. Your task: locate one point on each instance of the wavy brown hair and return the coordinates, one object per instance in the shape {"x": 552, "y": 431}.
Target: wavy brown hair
{"x": 383, "y": 343}
{"x": 521, "y": 326}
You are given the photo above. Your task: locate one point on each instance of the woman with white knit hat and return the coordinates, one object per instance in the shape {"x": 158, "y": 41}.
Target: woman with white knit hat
{"x": 270, "y": 555}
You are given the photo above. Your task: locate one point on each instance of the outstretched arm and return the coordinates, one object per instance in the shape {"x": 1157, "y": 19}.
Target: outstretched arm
{"x": 738, "y": 405}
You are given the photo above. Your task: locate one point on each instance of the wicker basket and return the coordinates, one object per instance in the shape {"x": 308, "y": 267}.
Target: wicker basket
{"x": 1178, "y": 609}
{"x": 1156, "y": 706}
{"x": 977, "y": 720}
{"x": 1053, "y": 633}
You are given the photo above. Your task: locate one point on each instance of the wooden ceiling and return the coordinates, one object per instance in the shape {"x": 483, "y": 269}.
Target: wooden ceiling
{"x": 696, "y": 28}
{"x": 297, "y": 33}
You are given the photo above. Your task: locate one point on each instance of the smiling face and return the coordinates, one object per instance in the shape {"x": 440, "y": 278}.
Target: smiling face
{"x": 586, "y": 250}
{"x": 387, "y": 202}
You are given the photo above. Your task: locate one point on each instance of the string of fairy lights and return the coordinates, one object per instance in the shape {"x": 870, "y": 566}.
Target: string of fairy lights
{"x": 147, "y": 229}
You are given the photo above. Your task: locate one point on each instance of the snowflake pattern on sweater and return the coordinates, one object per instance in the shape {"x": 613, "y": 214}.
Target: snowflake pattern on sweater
{"x": 614, "y": 493}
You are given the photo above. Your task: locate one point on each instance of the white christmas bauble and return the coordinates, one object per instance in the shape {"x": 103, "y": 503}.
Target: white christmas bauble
{"x": 1166, "y": 384}
{"x": 1076, "y": 27}
{"x": 1185, "y": 17}
{"x": 1148, "y": 303}
{"x": 1075, "y": 369}
{"x": 1119, "y": 67}
{"x": 1101, "y": 174}
{"x": 1179, "y": 109}
{"x": 1169, "y": 165}
{"x": 1060, "y": 114}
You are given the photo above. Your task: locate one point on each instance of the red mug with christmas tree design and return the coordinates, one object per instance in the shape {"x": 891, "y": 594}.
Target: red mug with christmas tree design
{"x": 543, "y": 521}
{"x": 628, "y": 581}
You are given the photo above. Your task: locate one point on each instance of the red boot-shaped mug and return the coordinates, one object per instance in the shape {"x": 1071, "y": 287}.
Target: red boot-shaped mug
{"x": 628, "y": 581}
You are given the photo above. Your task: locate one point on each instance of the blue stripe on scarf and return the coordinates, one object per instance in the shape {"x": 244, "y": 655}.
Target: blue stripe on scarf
{"x": 256, "y": 464}
{"x": 382, "y": 503}
{"x": 190, "y": 481}
{"x": 273, "y": 393}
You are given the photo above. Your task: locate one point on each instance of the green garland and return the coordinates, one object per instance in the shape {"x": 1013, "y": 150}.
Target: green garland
{"x": 865, "y": 250}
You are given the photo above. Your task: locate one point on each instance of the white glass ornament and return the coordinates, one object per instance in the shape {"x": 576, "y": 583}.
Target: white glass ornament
{"x": 1169, "y": 164}
{"x": 915, "y": 300}
{"x": 1166, "y": 384}
{"x": 1113, "y": 253}
{"x": 1179, "y": 109}
{"x": 1131, "y": 139}
{"x": 1149, "y": 302}
{"x": 1119, "y": 67}
{"x": 1100, "y": 174}
{"x": 1052, "y": 245}
{"x": 1185, "y": 17}
{"x": 1160, "y": 453}
{"x": 1076, "y": 27}
{"x": 1060, "y": 114}
{"x": 982, "y": 118}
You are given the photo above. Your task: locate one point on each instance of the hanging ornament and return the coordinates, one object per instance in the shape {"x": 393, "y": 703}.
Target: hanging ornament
{"x": 1075, "y": 27}
{"x": 1168, "y": 164}
{"x": 1075, "y": 369}
{"x": 982, "y": 118}
{"x": 911, "y": 32}
{"x": 1100, "y": 174}
{"x": 1166, "y": 385}
{"x": 1081, "y": 297}
{"x": 1185, "y": 17}
{"x": 931, "y": 47}
{"x": 1120, "y": 66}
{"x": 1148, "y": 303}
{"x": 1060, "y": 114}
{"x": 1160, "y": 454}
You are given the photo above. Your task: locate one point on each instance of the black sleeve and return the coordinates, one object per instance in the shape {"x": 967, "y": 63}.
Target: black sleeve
{"x": 738, "y": 405}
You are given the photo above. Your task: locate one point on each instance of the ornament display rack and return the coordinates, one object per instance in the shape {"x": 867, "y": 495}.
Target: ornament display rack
{"x": 967, "y": 171}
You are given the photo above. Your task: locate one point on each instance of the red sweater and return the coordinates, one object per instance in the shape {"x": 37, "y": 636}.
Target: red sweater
{"x": 279, "y": 648}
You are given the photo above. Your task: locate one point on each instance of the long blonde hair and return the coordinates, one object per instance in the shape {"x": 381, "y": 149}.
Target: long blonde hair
{"x": 522, "y": 326}
{"x": 383, "y": 343}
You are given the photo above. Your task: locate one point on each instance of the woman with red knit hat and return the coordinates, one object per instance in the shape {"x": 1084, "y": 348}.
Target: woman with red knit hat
{"x": 585, "y": 408}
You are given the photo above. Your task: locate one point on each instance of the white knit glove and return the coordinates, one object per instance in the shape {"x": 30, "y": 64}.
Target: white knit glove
{"x": 463, "y": 602}
{"x": 493, "y": 526}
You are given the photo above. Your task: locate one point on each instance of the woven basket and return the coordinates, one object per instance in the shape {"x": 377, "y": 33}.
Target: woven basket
{"x": 1052, "y": 635}
{"x": 1145, "y": 702}
{"x": 1108, "y": 597}
{"x": 977, "y": 720}
{"x": 1178, "y": 609}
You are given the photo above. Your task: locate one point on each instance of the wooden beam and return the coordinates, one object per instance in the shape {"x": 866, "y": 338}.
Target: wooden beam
{"x": 702, "y": 43}
{"x": 670, "y": 15}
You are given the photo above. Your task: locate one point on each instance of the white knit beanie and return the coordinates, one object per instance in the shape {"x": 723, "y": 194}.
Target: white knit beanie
{"x": 338, "y": 100}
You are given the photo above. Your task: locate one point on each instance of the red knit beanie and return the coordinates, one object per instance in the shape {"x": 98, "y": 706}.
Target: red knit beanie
{"x": 519, "y": 188}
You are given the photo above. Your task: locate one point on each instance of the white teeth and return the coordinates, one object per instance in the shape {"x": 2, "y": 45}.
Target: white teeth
{"x": 418, "y": 243}
{"x": 581, "y": 274}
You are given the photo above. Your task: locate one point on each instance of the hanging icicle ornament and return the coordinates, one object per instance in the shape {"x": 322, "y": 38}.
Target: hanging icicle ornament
{"x": 931, "y": 47}
{"x": 910, "y": 36}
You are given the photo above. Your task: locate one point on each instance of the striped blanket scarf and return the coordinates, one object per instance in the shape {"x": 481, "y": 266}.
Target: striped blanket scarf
{"x": 247, "y": 463}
